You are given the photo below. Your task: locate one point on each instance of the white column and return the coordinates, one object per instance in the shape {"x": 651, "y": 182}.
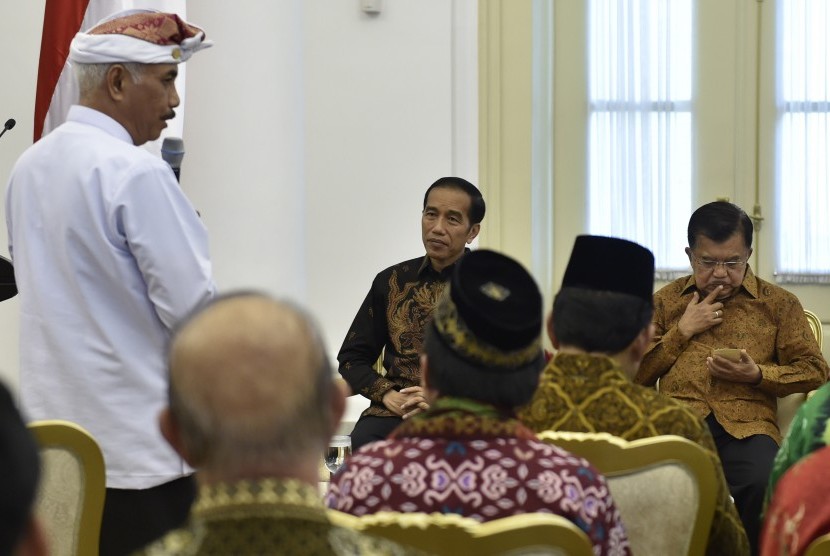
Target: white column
{"x": 244, "y": 141}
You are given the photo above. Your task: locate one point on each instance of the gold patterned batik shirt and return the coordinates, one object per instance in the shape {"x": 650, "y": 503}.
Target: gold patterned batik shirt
{"x": 762, "y": 318}
{"x": 591, "y": 393}
{"x": 391, "y": 321}
{"x": 265, "y": 517}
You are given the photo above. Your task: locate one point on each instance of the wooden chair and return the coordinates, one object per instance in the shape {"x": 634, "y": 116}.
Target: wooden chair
{"x": 451, "y": 534}
{"x": 664, "y": 487}
{"x": 70, "y": 499}
{"x": 788, "y": 405}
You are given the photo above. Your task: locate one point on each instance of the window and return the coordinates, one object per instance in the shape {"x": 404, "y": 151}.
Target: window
{"x": 640, "y": 125}
{"x": 803, "y": 141}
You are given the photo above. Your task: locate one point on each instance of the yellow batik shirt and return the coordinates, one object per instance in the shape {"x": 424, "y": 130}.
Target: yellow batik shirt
{"x": 591, "y": 393}
{"x": 265, "y": 517}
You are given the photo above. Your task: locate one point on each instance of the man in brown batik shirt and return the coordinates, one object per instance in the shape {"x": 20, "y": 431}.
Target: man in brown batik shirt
{"x": 724, "y": 305}
{"x": 399, "y": 304}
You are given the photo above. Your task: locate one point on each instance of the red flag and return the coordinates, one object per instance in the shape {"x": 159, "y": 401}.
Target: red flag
{"x": 61, "y": 20}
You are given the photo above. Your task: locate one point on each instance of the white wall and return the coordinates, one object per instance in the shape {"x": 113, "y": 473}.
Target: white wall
{"x": 312, "y": 131}
{"x": 20, "y": 30}
{"x": 244, "y": 140}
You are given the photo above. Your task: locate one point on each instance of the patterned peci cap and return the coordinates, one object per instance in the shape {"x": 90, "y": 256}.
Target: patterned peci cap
{"x": 491, "y": 313}
{"x": 138, "y": 36}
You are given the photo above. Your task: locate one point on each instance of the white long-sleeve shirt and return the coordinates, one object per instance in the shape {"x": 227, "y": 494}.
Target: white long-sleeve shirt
{"x": 108, "y": 255}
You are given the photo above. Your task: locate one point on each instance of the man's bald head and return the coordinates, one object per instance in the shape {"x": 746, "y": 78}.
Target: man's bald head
{"x": 250, "y": 385}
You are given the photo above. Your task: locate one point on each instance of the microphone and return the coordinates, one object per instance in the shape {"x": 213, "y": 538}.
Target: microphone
{"x": 7, "y": 126}
{"x": 172, "y": 151}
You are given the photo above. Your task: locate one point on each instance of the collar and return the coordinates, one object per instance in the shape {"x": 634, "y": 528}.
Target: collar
{"x": 270, "y": 497}
{"x": 586, "y": 364}
{"x": 749, "y": 283}
{"x": 426, "y": 265}
{"x": 462, "y": 419}
{"x": 90, "y": 116}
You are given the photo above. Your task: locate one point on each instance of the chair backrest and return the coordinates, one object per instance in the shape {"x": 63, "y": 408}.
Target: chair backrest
{"x": 664, "y": 487}
{"x": 433, "y": 533}
{"x": 819, "y": 547}
{"x": 788, "y": 405}
{"x": 70, "y": 500}
{"x": 815, "y": 326}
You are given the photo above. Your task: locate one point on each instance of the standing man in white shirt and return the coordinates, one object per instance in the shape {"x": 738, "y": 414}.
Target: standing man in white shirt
{"x": 109, "y": 254}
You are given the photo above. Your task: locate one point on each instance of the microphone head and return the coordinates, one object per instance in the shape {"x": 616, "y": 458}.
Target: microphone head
{"x": 172, "y": 151}
{"x": 9, "y": 123}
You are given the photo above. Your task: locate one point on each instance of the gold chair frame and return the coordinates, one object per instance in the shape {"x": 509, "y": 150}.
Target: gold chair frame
{"x": 616, "y": 458}
{"x": 815, "y": 326}
{"x": 66, "y": 437}
{"x": 788, "y": 405}
{"x": 819, "y": 547}
{"x": 434, "y": 533}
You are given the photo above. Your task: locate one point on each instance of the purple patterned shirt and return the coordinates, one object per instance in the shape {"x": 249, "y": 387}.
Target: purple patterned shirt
{"x": 483, "y": 478}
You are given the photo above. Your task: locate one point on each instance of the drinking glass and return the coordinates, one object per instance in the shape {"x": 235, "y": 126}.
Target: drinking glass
{"x": 340, "y": 447}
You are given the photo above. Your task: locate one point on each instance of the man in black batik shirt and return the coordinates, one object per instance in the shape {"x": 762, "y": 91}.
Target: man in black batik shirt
{"x": 399, "y": 304}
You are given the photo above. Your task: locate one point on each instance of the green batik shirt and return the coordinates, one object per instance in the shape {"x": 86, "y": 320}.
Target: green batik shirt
{"x": 591, "y": 393}
{"x": 267, "y": 517}
{"x": 809, "y": 431}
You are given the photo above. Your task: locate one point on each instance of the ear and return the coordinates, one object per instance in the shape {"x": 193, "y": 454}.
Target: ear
{"x": 171, "y": 432}
{"x": 640, "y": 344}
{"x": 474, "y": 229}
{"x": 689, "y": 252}
{"x": 551, "y": 334}
{"x": 117, "y": 76}
{"x": 33, "y": 541}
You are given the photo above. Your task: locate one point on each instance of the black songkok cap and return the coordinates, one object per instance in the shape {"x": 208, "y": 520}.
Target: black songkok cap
{"x": 491, "y": 313}
{"x": 19, "y": 473}
{"x": 611, "y": 264}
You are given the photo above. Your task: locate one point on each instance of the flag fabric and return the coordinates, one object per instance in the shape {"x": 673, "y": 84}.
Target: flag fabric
{"x": 61, "y": 20}
{"x": 57, "y": 89}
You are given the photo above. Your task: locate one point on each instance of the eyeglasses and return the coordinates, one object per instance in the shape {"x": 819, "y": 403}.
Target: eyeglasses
{"x": 711, "y": 264}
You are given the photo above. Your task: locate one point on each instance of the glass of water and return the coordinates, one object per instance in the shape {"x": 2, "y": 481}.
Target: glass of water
{"x": 339, "y": 448}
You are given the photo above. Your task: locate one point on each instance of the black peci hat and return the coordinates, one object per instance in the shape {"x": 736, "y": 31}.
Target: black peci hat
{"x": 611, "y": 264}
{"x": 491, "y": 313}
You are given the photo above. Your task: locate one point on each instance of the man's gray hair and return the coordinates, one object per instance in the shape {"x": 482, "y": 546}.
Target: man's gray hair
{"x": 289, "y": 413}
{"x": 90, "y": 76}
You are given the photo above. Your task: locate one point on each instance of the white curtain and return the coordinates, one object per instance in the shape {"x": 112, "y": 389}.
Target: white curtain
{"x": 640, "y": 128}
{"x": 803, "y": 141}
